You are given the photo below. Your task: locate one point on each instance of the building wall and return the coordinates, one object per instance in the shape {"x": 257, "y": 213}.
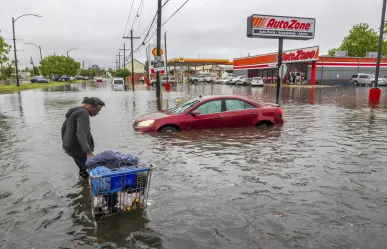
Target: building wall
{"x": 139, "y": 68}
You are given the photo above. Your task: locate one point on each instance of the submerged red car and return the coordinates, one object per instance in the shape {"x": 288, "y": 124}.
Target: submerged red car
{"x": 211, "y": 112}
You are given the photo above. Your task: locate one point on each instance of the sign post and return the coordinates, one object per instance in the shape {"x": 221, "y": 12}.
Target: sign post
{"x": 280, "y": 27}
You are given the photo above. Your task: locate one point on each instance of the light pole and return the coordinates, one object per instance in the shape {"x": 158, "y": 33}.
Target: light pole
{"x": 68, "y": 51}
{"x": 14, "y": 43}
{"x": 40, "y": 49}
{"x": 90, "y": 63}
{"x": 166, "y": 57}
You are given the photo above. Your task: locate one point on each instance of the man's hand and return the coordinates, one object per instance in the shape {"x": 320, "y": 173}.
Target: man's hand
{"x": 90, "y": 155}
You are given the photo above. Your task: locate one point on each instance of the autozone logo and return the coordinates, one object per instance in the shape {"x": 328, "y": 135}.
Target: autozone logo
{"x": 273, "y": 23}
{"x": 299, "y": 55}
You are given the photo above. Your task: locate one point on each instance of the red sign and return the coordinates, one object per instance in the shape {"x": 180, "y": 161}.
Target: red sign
{"x": 299, "y": 55}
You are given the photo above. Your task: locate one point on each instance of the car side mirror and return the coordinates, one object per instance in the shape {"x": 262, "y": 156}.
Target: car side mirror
{"x": 195, "y": 113}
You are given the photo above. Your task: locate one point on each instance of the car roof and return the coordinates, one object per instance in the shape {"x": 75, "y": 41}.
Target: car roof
{"x": 214, "y": 97}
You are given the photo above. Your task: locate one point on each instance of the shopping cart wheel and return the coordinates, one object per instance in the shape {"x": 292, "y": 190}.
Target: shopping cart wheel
{"x": 97, "y": 213}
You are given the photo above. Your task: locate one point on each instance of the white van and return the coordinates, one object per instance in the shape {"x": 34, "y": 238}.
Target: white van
{"x": 118, "y": 83}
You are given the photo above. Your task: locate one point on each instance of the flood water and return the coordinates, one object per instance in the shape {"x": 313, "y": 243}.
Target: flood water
{"x": 317, "y": 182}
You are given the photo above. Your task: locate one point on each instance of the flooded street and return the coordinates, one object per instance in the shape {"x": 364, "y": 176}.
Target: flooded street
{"x": 317, "y": 182}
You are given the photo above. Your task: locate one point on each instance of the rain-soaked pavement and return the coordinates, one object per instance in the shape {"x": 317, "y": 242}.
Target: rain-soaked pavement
{"x": 317, "y": 182}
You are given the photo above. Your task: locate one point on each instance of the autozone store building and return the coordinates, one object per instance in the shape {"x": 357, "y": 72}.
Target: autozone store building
{"x": 305, "y": 66}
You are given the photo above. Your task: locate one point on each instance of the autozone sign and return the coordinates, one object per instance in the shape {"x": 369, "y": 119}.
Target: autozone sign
{"x": 297, "y": 28}
{"x": 305, "y": 54}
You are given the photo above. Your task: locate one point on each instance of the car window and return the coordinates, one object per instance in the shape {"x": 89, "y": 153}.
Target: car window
{"x": 363, "y": 76}
{"x": 210, "y": 107}
{"x": 235, "y": 104}
{"x": 354, "y": 76}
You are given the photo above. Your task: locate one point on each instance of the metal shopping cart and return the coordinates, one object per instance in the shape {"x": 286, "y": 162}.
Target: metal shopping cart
{"x": 119, "y": 190}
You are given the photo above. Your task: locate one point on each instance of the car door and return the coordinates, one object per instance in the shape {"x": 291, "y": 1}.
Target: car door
{"x": 239, "y": 113}
{"x": 210, "y": 116}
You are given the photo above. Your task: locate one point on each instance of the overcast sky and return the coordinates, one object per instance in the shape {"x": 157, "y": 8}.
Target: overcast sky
{"x": 205, "y": 28}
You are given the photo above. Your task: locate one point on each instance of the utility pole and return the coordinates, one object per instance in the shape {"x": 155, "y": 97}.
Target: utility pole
{"x": 14, "y": 50}
{"x": 116, "y": 64}
{"x": 119, "y": 59}
{"x": 131, "y": 53}
{"x": 33, "y": 67}
{"x": 166, "y": 57}
{"x": 158, "y": 83}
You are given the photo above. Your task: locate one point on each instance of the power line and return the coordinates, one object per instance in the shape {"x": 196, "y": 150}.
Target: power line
{"x": 127, "y": 22}
{"x": 138, "y": 10}
{"x": 175, "y": 12}
{"x": 165, "y": 3}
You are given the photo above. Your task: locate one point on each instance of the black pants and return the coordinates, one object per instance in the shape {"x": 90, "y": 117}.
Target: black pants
{"x": 81, "y": 161}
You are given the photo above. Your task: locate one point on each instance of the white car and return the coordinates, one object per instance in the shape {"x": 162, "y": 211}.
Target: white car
{"x": 234, "y": 80}
{"x": 257, "y": 81}
{"x": 225, "y": 81}
{"x": 243, "y": 80}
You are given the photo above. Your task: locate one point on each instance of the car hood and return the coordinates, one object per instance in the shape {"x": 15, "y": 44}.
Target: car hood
{"x": 152, "y": 116}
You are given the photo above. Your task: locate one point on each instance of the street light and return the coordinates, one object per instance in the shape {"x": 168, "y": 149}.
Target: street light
{"x": 40, "y": 49}
{"x": 14, "y": 43}
{"x": 90, "y": 62}
{"x": 70, "y": 51}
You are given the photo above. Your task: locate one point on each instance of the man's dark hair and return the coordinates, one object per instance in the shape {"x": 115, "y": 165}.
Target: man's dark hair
{"x": 94, "y": 101}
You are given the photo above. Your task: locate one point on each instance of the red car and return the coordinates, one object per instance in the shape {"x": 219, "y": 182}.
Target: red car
{"x": 211, "y": 112}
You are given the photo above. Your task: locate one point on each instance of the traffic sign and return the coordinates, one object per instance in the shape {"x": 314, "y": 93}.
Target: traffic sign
{"x": 158, "y": 65}
{"x": 282, "y": 70}
{"x": 154, "y": 52}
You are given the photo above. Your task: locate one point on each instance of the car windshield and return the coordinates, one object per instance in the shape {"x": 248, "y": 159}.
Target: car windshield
{"x": 183, "y": 107}
{"x": 118, "y": 82}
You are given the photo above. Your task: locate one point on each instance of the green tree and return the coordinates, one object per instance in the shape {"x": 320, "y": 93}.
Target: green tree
{"x": 4, "y": 50}
{"x": 84, "y": 72}
{"x": 59, "y": 65}
{"x": 7, "y": 70}
{"x": 361, "y": 39}
{"x": 122, "y": 73}
{"x": 332, "y": 51}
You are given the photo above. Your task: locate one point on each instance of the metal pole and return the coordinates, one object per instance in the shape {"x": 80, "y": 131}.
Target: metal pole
{"x": 131, "y": 52}
{"x": 158, "y": 83}
{"x": 119, "y": 60}
{"x": 280, "y": 47}
{"x": 41, "y": 57}
{"x": 14, "y": 50}
{"x": 124, "y": 55}
{"x": 380, "y": 44}
{"x": 33, "y": 67}
{"x": 166, "y": 57}
{"x": 67, "y": 53}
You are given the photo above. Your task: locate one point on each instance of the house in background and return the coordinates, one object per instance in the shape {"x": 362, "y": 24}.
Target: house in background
{"x": 139, "y": 70}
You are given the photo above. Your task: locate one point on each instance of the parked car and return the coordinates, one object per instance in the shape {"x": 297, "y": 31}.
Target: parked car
{"x": 225, "y": 81}
{"x": 64, "y": 78}
{"x": 211, "y": 112}
{"x": 234, "y": 80}
{"x": 38, "y": 79}
{"x": 257, "y": 81}
{"x": 362, "y": 79}
{"x": 243, "y": 80}
{"x": 98, "y": 79}
{"x": 117, "y": 82}
{"x": 197, "y": 79}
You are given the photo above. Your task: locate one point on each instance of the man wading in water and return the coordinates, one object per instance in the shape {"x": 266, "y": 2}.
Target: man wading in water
{"x": 76, "y": 136}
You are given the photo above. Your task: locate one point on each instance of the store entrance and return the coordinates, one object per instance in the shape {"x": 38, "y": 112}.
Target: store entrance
{"x": 297, "y": 74}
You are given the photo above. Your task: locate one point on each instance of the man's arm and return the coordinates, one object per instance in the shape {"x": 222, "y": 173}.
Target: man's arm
{"x": 83, "y": 125}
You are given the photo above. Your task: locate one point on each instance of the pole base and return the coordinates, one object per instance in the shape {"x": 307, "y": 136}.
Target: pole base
{"x": 374, "y": 96}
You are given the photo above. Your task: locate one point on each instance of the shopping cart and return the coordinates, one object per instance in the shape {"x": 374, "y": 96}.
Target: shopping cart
{"x": 119, "y": 190}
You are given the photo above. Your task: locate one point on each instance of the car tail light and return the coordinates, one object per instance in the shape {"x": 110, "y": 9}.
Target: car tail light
{"x": 279, "y": 111}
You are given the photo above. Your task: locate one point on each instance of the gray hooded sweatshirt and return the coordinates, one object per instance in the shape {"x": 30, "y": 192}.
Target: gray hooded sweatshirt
{"x": 76, "y": 136}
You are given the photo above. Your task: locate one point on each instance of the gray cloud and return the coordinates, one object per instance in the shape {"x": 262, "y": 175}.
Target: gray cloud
{"x": 209, "y": 28}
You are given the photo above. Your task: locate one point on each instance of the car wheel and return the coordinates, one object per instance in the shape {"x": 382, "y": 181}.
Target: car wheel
{"x": 264, "y": 125}
{"x": 168, "y": 129}
{"x": 355, "y": 83}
